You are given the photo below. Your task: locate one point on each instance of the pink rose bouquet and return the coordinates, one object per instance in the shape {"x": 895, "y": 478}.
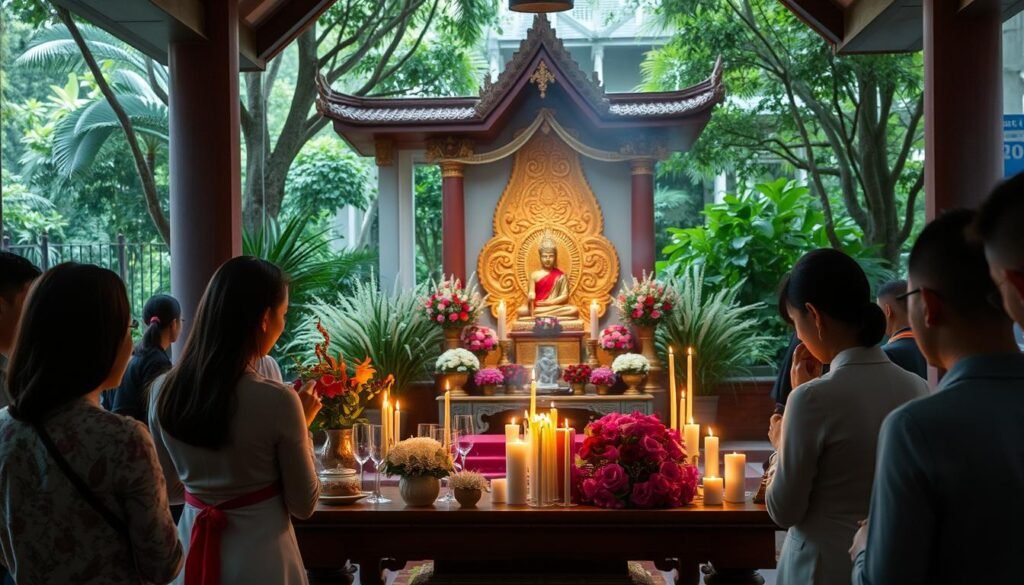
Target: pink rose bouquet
{"x": 479, "y": 340}
{"x": 488, "y": 376}
{"x": 617, "y": 337}
{"x": 602, "y": 376}
{"x": 633, "y": 461}
{"x": 451, "y": 305}
{"x": 645, "y": 302}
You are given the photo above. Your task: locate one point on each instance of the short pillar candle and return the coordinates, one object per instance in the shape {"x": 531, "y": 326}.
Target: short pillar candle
{"x": 499, "y": 490}
{"x": 712, "y": 491}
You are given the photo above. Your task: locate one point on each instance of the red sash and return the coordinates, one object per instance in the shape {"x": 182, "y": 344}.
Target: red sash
{"x": 905, "y": 334}
{"x": 202, "y": 567}
{"x": 544, "y": 285}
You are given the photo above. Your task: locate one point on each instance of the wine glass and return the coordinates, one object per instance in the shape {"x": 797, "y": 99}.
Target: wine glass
{"x": 465, "y": 431}
{"x": 425, "y": 430}
{"x": 362, "y": 436}
{"x": 377, "y": 456}
{"x": 439, "y": 432}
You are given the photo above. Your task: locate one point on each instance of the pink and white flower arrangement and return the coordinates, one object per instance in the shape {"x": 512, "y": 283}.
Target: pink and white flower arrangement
{"x": 451, "y": 305}
{"x": 478, "y": 339}
{"x": 514, "y": 374}
{"x": 617, "y": 338}
{"x": 603, "y": 376}
{"x": 645, "y": 302}
{"x": 633, "y": 461}
{"x": 489, "y": 376}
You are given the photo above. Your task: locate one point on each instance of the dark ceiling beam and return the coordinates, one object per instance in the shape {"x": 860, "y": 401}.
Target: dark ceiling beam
{"x": 824, "y": 17}
{"x": 285, "y": 24}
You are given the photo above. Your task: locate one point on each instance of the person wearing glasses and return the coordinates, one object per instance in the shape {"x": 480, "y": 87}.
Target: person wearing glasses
{"x": 947, "y": 499}
{"x": 820, "y": 484}
{"x": 1001, "y": 226}
{"x": 900, "y": 347}
{"x": 161, "y": 318}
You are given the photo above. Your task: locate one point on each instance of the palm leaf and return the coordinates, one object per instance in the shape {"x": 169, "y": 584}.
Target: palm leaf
{"x": 78, "y": 138}
{"x": 53, "y": 49}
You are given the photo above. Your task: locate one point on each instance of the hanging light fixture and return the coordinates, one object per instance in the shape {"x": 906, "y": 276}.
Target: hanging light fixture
{"x": 539, "y": 5}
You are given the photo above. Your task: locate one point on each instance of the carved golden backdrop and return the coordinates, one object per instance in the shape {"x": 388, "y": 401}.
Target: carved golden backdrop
{"x": 548, "y": 192}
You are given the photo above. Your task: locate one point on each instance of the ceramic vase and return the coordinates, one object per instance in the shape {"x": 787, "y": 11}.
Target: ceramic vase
{"x": 451, "y": 337}
{"x": 488, "y": 389}
{"x": 579, "y": 388}
{"x": 633, "y": 381}
{"x": 419, "y": 491}
{"x": 456, "y": 381}
{"x": 602, "y": 389}
{"x": 467, "y": 498}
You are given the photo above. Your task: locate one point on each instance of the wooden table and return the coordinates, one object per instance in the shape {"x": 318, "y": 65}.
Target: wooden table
{"x": 733, "y": 536}
{"x": 482, "y": 408}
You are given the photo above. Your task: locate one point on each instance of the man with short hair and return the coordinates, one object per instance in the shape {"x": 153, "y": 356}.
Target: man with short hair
{"x": 901, "y": 347}
{"x": 946, "y": 501}
{"x": 16, "y": 276}
{"x": 1000, "y": 224}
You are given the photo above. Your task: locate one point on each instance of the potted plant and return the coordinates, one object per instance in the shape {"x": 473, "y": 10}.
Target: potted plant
{"x": 577, "y": 375}
{"x": 617, "y": 340}
{"x": 724, "y": 335}
{"x": 547, "y": 326}
{"x": 632, "y": 368}
{"x": 468, "y": 486}
{"x": 487, "y": 379}
{"x": 452, "y": 307}
{"x": 344, "y": 398}
{"x": 602, "y": 378}
{"x": 479, "y": 340}
{"x": 457, "y": 365}
{"x": 645, "y": 303}
{"x": 420, "y": 463}
{"x": 515, "y": 376}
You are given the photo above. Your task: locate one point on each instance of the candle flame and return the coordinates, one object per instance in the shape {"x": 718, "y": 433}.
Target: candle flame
{"x": 446, "y": 385}
{"x": 533, "y": 375}
{"x": 689, "y": 351}
{"x": 711, "y": 433}
{"x": 397, "y": 407}
{"x": 502, "y": 304}
{"x": 670, "y": 350}
{"x": 513, "y": 420}
{"x": 691, "y": 420}
{"x": 567, "y": 423}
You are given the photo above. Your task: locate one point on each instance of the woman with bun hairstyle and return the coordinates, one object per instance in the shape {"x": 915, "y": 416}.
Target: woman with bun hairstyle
{"x": 820, "y": 486}
{"x": 161, "y": 322}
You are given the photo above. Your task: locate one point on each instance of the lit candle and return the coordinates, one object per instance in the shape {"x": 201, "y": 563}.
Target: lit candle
{"x": 385, "y": 423}
{"x": 594, "y": 309}
{"x": 711, "y": 454}
{"x": 553, "y": 415}
{"x": 533, "y": 395}
{"x": 689, "y": 384}
{"x": 691, "y": 437}
{"x": 673, "y": 418}
{"x": 397, "y": 431}
{"x": 447, "y": 416}
{"x": 682, "y": 411}
{"x": 712, "y": 491}
{"x": 511, "y": 431}
{"x": 735, "y": 476}
{"x": 567, "y": 462}
{"x": 499, "y": 490}
{"x": 501, "y": 321}
{"x": 517, "y": 453}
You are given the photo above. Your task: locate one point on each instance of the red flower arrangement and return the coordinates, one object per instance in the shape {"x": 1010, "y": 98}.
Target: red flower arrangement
{"x": 515, "y": 374}
{"x": 576, "y": 374}
{"x": 344, "y": 397}
{"x": 453, "y": 306}
{"x": 479, "y": 339}
{"x": 645, "y": 302}
{"x": 617, "y": 337}
{"x": 633, "y": 461}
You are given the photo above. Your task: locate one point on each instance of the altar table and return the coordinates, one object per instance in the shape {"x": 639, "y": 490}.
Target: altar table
{"x": 733, "y": 536}
{"x": 482, "y": 408}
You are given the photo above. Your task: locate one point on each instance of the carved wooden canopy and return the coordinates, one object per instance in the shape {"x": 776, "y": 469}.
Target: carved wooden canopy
{"x": 548, "y": 192}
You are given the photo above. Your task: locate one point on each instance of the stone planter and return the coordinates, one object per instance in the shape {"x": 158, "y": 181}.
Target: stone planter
{"x": 419, "y": 491}
{"x": 602, "y": 389}
{"x": 337, "y": 452}
{"x": 705, "y": 410}
{"x": 467, "y": 498}
{"x": 488, "y": 389}
{"x": 633, "y": 383}
{"x": 456, "y": 381}
{"x": 579, "y": 388}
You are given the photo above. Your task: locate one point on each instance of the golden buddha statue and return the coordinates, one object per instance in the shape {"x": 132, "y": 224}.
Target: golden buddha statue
{"x": 548, "y": 295}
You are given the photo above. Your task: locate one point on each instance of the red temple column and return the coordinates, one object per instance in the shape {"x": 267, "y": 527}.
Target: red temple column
{"x": 963, "y": 102}
{"x": 453, "y": 220}
{"x": 642, "y": 217}
{"x": 205, "y": 170}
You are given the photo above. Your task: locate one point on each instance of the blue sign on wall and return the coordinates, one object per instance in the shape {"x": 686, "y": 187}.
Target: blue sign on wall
{"x": 1013, "y": 144}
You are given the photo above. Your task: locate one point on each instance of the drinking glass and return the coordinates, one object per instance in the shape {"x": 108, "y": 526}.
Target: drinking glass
{"x": 362, "y": 436}
{"x": 448, "y": 496}
{"x": 465, "y": 431}
{"x": 425, "y": 430}
{"x": 377, "y": 456}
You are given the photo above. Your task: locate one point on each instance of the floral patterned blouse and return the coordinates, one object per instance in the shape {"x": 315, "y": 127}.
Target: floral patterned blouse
{"x": 50, "y": 535}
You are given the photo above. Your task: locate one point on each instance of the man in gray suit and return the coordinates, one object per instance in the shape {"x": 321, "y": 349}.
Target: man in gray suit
{"x": 947, "y": 501}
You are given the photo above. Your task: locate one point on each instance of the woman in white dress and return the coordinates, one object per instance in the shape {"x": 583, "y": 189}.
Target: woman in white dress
{"x": 234, "y": 445}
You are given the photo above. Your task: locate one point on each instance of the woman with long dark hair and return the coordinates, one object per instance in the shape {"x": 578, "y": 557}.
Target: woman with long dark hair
{"x": 84, "y": 499}
{"x": 820, "y": 487}
{"x": 161, "y": 318}
{"x": 233, "y": 443}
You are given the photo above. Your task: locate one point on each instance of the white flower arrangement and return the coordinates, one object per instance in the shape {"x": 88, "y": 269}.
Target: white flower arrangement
{"x": 468, "y": 480}
{"x": 456, "y": 361}
{"x": 418, "y": 457}
{"x": 631, "y": 363}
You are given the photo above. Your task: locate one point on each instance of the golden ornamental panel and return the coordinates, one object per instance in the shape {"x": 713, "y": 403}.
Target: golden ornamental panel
{"x": 548, "y": 193}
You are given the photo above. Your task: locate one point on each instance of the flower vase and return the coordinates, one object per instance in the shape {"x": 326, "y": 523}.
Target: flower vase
{"x": 632, "y": 381}
{"x": 337, "y": 452}
{"x": 487, "y": 389}
{"x": 579, "y": 388}
{"x": 645, "y": 335}
{"x": 601, "y": 389}
{"x": 467, "y": 498}
{"x": 456, "y": 381}
{"x": 419, "y": 491}
{"x": 451, "y": 337}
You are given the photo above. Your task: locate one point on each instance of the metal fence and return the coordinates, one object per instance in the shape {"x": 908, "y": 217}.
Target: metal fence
{"x": 144, "y": 268}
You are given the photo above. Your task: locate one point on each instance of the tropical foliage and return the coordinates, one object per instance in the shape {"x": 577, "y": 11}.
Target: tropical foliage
{"x": 725, "y": 334}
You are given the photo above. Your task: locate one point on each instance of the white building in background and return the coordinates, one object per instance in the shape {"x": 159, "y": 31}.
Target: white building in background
{"x": 1013, "y": 65}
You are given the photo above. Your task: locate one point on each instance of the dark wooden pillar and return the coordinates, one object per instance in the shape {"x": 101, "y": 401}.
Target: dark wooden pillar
{"x": 642, "y": 219}
{"x": 453, "y": 220}
{"x": 963, "y": 102}
{"x": 205, "y": 155}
